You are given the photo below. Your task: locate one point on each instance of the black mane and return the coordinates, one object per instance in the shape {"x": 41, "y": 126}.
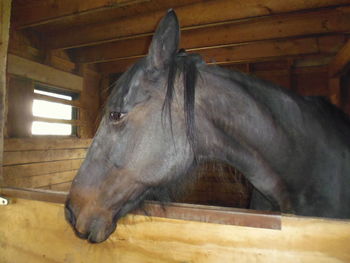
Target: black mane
{"x": 185, "y": 64}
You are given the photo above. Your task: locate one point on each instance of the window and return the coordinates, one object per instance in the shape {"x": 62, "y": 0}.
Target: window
{"x": 53, "y": 111}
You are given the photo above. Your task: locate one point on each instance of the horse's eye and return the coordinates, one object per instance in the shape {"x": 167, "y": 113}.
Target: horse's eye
{"x": 116, "y": 116}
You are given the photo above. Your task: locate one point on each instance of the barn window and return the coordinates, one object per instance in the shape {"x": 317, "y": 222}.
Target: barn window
{"x": 53, "y": 112}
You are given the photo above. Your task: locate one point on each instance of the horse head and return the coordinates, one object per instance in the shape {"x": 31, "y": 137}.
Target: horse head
{"x": 134, "y": 151}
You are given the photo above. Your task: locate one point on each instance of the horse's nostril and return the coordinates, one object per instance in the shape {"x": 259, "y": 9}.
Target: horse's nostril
{"x": 69, "y": 214}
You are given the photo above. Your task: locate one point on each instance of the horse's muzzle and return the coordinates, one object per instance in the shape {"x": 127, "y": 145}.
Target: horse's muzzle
{"x": 95, "y": 229}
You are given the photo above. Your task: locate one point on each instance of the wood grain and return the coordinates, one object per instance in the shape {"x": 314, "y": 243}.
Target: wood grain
{"x": 42, "y": 73}
{"x": 32, "y": 231}
{"x": 338, "y": 65}
{"x": 217, "y": 18}
{"x": 22, "y": 157}
{"x": 41, "y": 168}
{"x": 43, "y": 143}
{"x": 5, "y": 10}
{"x": 41, "y": 181}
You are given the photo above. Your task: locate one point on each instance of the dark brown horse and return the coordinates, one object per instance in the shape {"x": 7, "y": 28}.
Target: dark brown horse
{"x": 171, "y": 111}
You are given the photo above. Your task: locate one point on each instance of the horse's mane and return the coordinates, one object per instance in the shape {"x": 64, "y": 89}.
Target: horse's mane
{"x": 185, "y": 64}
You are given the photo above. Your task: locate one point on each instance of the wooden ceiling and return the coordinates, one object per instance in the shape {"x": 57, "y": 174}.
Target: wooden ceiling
{"x": 112, "y": 34}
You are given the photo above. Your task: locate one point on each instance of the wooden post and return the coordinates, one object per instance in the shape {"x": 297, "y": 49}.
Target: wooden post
{"x": 5, "y": 11}
{"x": 334, "y": 91}
{"x": 90, "y": 101}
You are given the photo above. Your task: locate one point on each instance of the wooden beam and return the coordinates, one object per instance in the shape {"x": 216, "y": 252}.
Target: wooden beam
{"x": 199, "y": 213}
{"x": 31, "y": 144}
{"x": 5, "y": 11}
{"x": 44, "y": 15}
{"x": 153, "y": 239}
{"x": 74, "y": 103}
{"x": 42, "y": 73}
{"x": 217, "y": 25}
{"x": 255, "y": 51}
{"x": 20, "y": 171}
{"x": 233, "y": 52}
{"x": 73, "y": 122}
{"x": 30, "y": 13}
{"x": 338, "y": 65}
{"x": 20, "y": 103}
{"x": 37, "y": 156}
{"x": 41, "y": 180}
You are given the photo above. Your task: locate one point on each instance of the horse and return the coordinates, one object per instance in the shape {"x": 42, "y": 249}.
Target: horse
{"x": 171, "y": 111}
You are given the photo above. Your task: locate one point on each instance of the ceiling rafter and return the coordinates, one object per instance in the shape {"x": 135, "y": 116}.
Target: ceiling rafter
{"x": 257, "y": 51}
{"x": 222, "y": 13}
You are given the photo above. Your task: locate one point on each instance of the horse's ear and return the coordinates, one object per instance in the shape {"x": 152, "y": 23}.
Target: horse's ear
{"x": 165, "y": 41}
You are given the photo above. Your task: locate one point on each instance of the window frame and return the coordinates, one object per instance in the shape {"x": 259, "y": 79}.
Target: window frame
{"x": 75, "y": 117}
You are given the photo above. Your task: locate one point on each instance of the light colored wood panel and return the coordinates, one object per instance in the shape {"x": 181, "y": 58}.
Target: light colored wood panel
{"x": 197, "y": 213}
{"x": 340, "y": 61}
{"x": 22, "y": 157}
{"x": 42, "y": 73}
{"x": 40, "y": 180}
{"x": 33, "y": 231}
{"x": 45, "y": 144}
{"x": 23, "y": 170}
{"x": 212, "y": 12}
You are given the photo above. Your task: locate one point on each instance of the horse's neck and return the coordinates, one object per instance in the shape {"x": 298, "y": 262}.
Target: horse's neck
{"x": 241, "y": 115}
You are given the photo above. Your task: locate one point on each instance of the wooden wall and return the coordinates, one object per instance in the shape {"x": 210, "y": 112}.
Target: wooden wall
{"x": 5, "y": 11}
{"x": 33, "y": 231}
{"x": 45, "y": 163}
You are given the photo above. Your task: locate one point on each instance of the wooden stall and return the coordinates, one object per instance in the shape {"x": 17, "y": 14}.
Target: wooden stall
{"x": 77, "y": 48}
{"x": 33, "y": 231}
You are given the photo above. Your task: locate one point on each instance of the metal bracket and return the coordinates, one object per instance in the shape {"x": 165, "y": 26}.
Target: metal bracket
{"x": 4, "y": 201}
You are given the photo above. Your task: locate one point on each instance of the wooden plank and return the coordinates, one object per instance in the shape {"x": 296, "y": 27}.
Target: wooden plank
{"x": 5, "y": 11}
{"x": 30, "y": 13}
{"x": 91, "y": 113}
{"x": 42, "y": 73}
{"x": 340, "y": 62}
{"x": 62, "y": 186}
{"x": 57, "y": 100}
{"x": 73, "y": 122}
{"x": 258, "y": 29}
{"x": 27, "y": 144}
{"x": 22, "y": 157}
{"x": 199, "y": 213}
{"x": 114, "y": 13}
{"x": 35, "y": 231}
{"x": 41, "y": 180}
{"x": 31, "y": 194}
{"x": 20, "y": 104}
{"x": 218, "y": 14}
{"x": 236, "y": 53}
{"x": 23, "y": 170}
